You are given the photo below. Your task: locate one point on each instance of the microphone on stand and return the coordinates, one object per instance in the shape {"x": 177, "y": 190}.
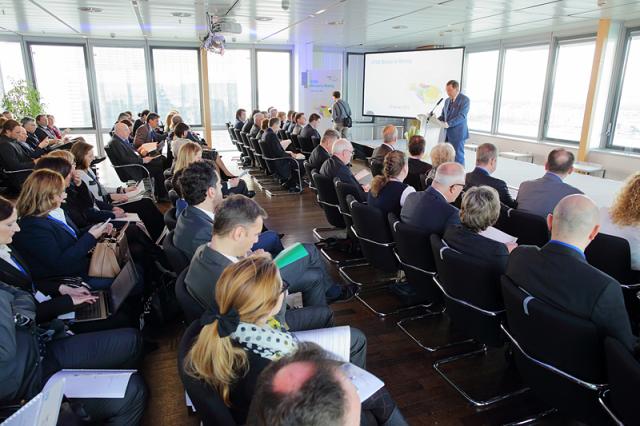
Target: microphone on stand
{"x": 436, "y": 106}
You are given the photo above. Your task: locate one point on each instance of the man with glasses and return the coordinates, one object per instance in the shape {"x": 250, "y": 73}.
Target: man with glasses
{"x": 337, "y": 166}
{"x": 431, "y": 210}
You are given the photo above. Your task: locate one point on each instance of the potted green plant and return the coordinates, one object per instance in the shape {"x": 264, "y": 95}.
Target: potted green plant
{"x": 23, "y": 100}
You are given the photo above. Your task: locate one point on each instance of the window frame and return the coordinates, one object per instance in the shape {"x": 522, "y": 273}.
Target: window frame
{"x": 619, "y": 74}
{"x": 257, "y": 73}
{"x": 498, "y": 86}
{"x": 151, "y": 75}
{"x": 89, "y": 75}
{"x": 556, "y": 43}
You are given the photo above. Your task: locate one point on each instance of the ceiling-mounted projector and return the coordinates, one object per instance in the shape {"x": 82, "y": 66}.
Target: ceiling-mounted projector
{"x": 214, "y": 41}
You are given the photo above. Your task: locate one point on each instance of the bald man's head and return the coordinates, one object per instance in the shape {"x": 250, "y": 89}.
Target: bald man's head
{"x": 122, "y": 130}
{"x": 575, "y": 220}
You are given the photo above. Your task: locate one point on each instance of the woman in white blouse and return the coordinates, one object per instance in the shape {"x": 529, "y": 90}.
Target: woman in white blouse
{"x": 623, "y": 218}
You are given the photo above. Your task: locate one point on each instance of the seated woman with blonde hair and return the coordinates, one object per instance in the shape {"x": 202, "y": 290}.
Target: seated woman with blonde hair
{"x": 623, "y": 218}
{"x": 239, "y": 337}
{"x": 440, "y": 154}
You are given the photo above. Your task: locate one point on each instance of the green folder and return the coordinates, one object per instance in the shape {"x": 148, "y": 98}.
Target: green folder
{"x": 291, "y": 254}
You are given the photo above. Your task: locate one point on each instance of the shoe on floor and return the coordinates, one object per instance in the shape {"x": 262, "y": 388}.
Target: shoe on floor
{"x": 347, "y": 292}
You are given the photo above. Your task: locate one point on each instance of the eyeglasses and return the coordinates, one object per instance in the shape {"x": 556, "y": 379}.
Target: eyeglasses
{"x": 285, "y": 286}
{"x": 457, "y": 184}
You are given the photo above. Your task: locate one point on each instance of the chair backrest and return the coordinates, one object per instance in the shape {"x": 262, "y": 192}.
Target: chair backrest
{"x": 306, "y": 145}
{"x": 371, "y": 227}
{"x": 623, "y": 374}
{"x": 209, "y": 406}
{"x": 190, "y": 306}
{"x": 416, "y": 180}
{"x": 413, "y": 251}
{"x": 612, "y": 256}
{"x": 530, "y": 229}
{"x": 269, "y": 164}
{"x": 176, "y": 258}
{"x": 123, "y": 172}
{"x": 472, "y": 292}
{"x": 559, "y": 355}
{"x": 342, "y": 190}
{"x": 294, "y": 140}
{"x": 328, "y": 199}
{"x": 170, "y": 219}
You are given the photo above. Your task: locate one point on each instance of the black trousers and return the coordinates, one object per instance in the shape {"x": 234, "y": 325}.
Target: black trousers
{"x": 149, "y": 214}
{"x": 110, "y": 349}
{"x": 156, "y": 171}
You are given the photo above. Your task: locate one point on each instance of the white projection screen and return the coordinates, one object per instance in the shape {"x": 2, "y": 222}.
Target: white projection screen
{"x": 405, "y": 84}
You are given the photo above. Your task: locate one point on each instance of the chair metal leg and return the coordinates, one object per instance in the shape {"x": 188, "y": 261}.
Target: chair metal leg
{"x": 602, "y": 400}
{"x": 318, "y": 235}
{"x": 164, "y": 233}
{"x": 533, "y": 418}
{"x": 476, "y": 403}
{"x": 431, "y": 314}
{"x": 374, "y": 286}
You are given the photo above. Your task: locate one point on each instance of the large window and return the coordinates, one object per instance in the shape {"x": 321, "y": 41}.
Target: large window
{"x": 480, "y": 86}
{"x": 570, "y": 87}
{"x": 122, "y": 81}
{"x": 61, "y": 77}
{"x": 177, "y": 77}
{"x": 522, "y": 90}
{"x": 274, "y": 80}
{"x": 11, "y": 65}
{"x": 627, "y": 129}
{"x": 229, "y": 84}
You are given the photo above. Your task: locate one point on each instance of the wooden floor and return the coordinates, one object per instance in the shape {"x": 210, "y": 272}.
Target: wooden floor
{"x": 422, "y": 395}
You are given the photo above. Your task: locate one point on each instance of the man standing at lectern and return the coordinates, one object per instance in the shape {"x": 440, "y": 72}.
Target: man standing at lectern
{"x": 454, "y": 118}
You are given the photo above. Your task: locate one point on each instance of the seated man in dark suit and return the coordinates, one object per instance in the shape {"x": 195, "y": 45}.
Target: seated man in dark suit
{"x": 32, "y": 140}
{"x": 311, "y": 129}
{"x": 201, "y": 188}
{"x": 559, "y": 274}
{"x": 148, "y": 133}
{"x": 300, "y": 121}
{"x": 239, "y": 221}
{"x": 480, "y": 209}
{"x": 486, "y": 164}
{"x": 43, "y": 132}
{"x": 124, "y": 153}
{"x": 337, "y": 167}
{"x": 540, "y": 196}
{"x": 322, "y": 152}
{"x": 272, "y": 148}
{"x": 248, "y": 125}
{"x": 241, "y": 117}
{"x": 418, "y": 169}
{"x": 258, "y": 118}
{"x": 389, "y": 139}
{"x": 431, "y": 210}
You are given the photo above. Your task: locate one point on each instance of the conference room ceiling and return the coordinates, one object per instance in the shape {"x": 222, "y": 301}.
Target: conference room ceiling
{"x": 365, "y": 24}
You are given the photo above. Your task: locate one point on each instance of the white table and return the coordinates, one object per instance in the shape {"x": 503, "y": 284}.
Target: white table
{"x": 514, "y": 172}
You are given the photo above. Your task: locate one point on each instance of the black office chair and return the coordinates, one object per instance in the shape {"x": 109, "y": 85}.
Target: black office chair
{"x": 530, "y": 229}
{"x": 559, "y": 355}
{"x": 328, "y": 200}
{"x": 127, "y": 172}
{"x": 371, "y": 228}
{"x": 270, "y": 162}
{"x": 246, "y": 149}
{"x": 306, "y": 145}
{"x": 612, "y": 256}
{"x": 473, "y": 301}
{"x": 170, "y": 219}
{"x": 176, "y": 258}
{"x": 209, "y": 405}
{"x": 620, "y": 401}
{"x": 342, "y": 191}
{"x": 190, "y": 307}
{"x": 413, "y": 251}
{"x": 295, "y": 143}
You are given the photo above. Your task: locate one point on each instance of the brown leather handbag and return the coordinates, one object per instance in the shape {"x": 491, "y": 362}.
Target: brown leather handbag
{"x": 110, "y": 254}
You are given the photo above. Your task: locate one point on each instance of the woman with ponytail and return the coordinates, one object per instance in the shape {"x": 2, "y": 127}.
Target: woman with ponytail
{"x": 388, "y": 192}
{"x": 240, "y": 337}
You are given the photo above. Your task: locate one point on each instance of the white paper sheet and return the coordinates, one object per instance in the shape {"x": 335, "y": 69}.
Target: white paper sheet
{"x": 285, "y": 143}
{"x": 497, "y": 235}
{"x": 93, "y": 383}
{"x": 366, "y": 383}
{"x": 299, "y": 156}
{"x": 130, "y": 217}
{"x": 68, "y": 316}
{"x": 40, "y": 297}
{"x": 42, "y": 410}
{"x": 336, "y": 340}
{"x": 364, "y": 177}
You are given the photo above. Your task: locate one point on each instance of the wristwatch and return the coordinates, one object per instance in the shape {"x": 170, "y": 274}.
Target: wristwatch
{"x": 21, "y": 320}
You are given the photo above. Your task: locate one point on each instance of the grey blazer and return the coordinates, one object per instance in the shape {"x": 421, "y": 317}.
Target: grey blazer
{"x": 541, "y": 196}
{"x": 205, "y": 270}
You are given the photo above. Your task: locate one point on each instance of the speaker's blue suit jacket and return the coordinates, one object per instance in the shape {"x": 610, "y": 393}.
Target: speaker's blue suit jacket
{"x": 455, "y": 114}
